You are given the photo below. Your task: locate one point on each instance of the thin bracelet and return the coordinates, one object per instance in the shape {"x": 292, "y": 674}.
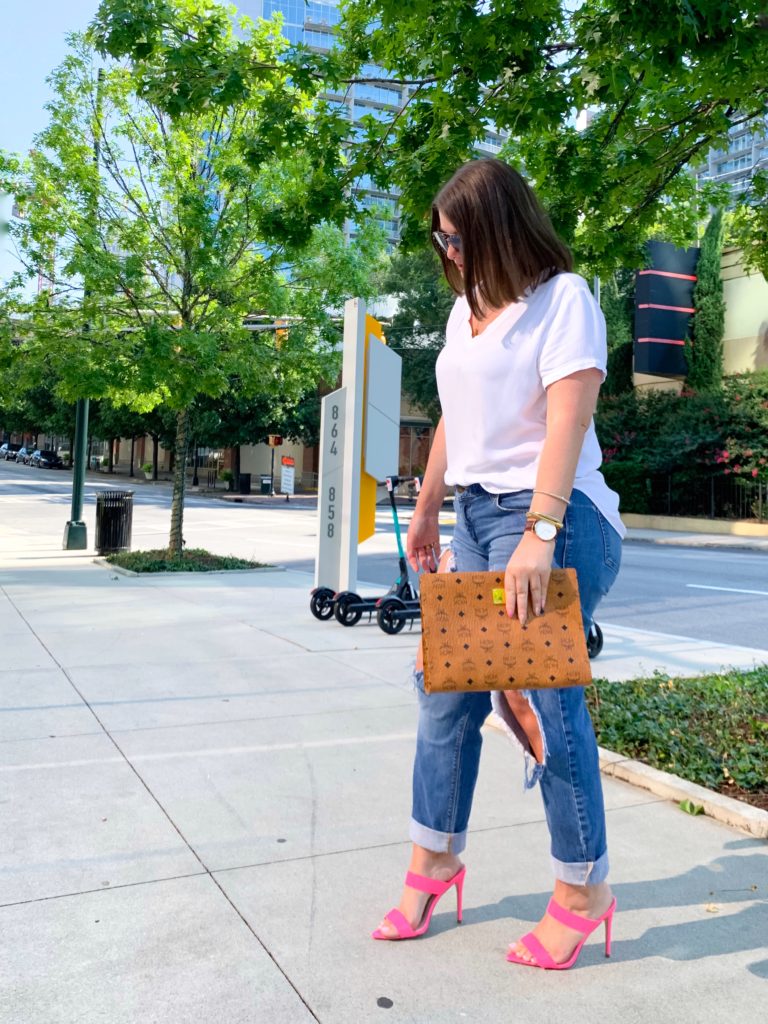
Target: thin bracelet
{"x": 549, "y": 494}
{"x": 547, "y": 519}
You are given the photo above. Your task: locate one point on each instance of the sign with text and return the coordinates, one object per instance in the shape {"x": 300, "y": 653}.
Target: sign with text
{"x": 330, "y": 489}
{"x": 287, "y": 474}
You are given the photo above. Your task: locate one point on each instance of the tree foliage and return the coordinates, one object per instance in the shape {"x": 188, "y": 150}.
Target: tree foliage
{"x": 750, "y": 225}
{"x": 705, "y": 355}
{"x": 661, "y": 82}
{"x": 417, "y": 330}
{"x": 169, "y": 254}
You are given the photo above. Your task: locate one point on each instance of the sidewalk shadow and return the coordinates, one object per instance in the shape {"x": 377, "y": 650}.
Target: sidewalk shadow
{"x": 725, "y": 880}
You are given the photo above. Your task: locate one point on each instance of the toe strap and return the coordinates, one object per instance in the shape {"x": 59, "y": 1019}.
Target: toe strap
{"x": 535, "y": 948}
{"x": 400, "y": 923}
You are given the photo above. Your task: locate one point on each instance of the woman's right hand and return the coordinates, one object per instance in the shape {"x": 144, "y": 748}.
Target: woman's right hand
{"x": 423, "y": 542}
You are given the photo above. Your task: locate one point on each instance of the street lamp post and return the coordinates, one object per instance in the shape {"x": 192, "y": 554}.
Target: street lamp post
{"x": 75, "y": 531}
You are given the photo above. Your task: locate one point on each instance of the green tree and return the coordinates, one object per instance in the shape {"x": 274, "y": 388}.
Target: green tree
{"x": 417, "y": 330}
{"x": 750, "y": 225}
{"x": 705, "y": 355}
{"x": 662, "y": 82}
{"x": 181, "y": 234}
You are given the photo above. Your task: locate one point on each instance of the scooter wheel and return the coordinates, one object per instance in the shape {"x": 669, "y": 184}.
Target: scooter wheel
{"x": 386, "y": 619}
{"x": 594, "y": 640}
{"x": 321, "y": 603}
{"x": 344, "y": 611}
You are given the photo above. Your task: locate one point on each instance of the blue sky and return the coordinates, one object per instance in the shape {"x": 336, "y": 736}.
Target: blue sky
{"x": 33, "y": 45}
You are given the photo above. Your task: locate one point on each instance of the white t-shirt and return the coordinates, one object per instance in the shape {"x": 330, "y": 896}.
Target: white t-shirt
{"x": 493, "y": 389}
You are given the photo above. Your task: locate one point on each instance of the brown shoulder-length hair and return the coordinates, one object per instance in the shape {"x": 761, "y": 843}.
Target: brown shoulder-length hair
{"x": 508, "y": 242}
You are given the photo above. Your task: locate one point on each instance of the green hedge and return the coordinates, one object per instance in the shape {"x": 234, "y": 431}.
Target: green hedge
{"x": 711, "y": 729}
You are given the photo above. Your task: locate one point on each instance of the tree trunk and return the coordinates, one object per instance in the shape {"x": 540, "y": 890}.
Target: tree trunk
{"x": 236, "y": 474}
{"x": 71, "y": 451}
{"x": 111, "y": 455}
{"x": 133, "y": 452}
{"x": 175, "y": 543}
{"x": 155, "y": 455}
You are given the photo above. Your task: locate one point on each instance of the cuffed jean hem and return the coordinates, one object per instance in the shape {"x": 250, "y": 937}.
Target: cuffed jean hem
{"x": 437, "y": 842}
{"x": 592, "y": 872}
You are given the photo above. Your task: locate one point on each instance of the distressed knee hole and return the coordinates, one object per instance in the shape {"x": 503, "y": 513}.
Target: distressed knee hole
{"x": 525, "y": 723}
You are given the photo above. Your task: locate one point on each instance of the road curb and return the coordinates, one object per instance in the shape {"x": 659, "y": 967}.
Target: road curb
{"x": 724, "y": 809}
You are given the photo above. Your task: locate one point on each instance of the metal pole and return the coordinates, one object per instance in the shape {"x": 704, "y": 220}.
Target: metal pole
{"x": 75, "y": 530}
{"x": 272, "y": 476}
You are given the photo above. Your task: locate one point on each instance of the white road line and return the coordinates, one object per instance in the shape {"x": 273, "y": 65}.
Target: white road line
{"x": 729, "y": 590}
{"x": 611, "y": 627}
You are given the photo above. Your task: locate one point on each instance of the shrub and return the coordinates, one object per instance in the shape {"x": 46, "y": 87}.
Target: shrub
{"x": 192, "y": 560}
{"x": 712, "y": 729}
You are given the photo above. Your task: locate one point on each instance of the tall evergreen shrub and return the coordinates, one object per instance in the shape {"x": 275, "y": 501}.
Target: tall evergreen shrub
{"x": 705, "y": 354}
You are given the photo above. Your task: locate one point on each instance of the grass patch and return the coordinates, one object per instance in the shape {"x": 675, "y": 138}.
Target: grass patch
{"x": 711, "y": 729}
{"x": 192, "y": 560}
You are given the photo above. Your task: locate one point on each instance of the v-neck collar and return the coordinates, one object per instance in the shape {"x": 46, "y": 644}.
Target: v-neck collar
{"x": 508, "y": 317}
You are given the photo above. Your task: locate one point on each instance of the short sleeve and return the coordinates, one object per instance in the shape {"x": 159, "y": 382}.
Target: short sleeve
{"x": 574, "y": 333}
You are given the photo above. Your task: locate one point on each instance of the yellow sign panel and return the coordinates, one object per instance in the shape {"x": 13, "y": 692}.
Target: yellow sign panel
{"x": 372, "y": 326}
{"x": 366, "y": 526}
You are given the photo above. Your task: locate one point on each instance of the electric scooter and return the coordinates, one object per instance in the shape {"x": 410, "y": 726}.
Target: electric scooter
{"x": 349, "y": 607}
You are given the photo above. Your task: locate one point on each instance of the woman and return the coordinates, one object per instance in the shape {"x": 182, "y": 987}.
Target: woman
{"x": 518, "y": 378}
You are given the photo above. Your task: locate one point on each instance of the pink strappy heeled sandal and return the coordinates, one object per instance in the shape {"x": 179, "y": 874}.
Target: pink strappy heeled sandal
{"x": 580, "y": 924}
{"x": 436, "y": 890}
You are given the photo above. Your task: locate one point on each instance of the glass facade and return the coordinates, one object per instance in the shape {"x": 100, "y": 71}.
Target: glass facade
{"x": 313, "y": 23}
{"x": 747, "y": 152}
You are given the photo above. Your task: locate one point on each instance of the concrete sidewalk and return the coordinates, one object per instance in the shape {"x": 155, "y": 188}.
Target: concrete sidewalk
{"x": 205, "y": 800}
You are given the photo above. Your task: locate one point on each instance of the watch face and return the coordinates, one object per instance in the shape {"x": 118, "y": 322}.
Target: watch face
{"x": 544, "y": 530}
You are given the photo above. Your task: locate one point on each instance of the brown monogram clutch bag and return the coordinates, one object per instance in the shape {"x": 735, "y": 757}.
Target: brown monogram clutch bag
{"x": 470, "y": 643}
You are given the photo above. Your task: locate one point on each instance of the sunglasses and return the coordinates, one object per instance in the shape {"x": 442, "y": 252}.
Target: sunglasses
{"x": 444, "y": 240}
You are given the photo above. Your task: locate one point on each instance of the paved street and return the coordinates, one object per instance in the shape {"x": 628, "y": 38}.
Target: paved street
{"x": 664, "y": 589}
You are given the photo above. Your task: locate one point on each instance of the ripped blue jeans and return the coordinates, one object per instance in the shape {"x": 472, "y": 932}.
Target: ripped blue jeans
{"x": 488, "y": 529}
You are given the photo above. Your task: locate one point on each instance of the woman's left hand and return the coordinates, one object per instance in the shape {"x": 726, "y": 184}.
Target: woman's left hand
{"x": 527, "y": 576}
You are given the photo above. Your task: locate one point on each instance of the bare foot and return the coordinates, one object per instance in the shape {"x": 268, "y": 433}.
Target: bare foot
{"x": 559, "y": 940}
{"x": 413, "y": 902}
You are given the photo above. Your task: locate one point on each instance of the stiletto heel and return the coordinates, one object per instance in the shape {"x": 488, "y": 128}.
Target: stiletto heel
{"x": 459, "y": 897}
{"x": 436, "y": 890}
{"x": 586, "y": 925}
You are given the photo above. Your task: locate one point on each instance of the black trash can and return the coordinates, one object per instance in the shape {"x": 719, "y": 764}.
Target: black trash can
{"x": 114, "y": 521}
{"x": 244, "y": 483}
{"x": 266, "y": 484}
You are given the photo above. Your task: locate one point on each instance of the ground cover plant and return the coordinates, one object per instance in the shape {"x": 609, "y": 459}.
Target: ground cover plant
{"x": 712, "y": 729}
{"x": 191, "y": 560}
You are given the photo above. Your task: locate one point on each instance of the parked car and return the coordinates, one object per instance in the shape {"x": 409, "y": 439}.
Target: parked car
{"x": 46, "y": 460}
{"x": 9, "y": 451}
{"x": 23, "y": 455}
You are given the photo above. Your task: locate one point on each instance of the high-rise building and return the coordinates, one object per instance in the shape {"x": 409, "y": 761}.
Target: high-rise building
{"x": 747, "y": 152}
{"x": 313, "y": 23}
